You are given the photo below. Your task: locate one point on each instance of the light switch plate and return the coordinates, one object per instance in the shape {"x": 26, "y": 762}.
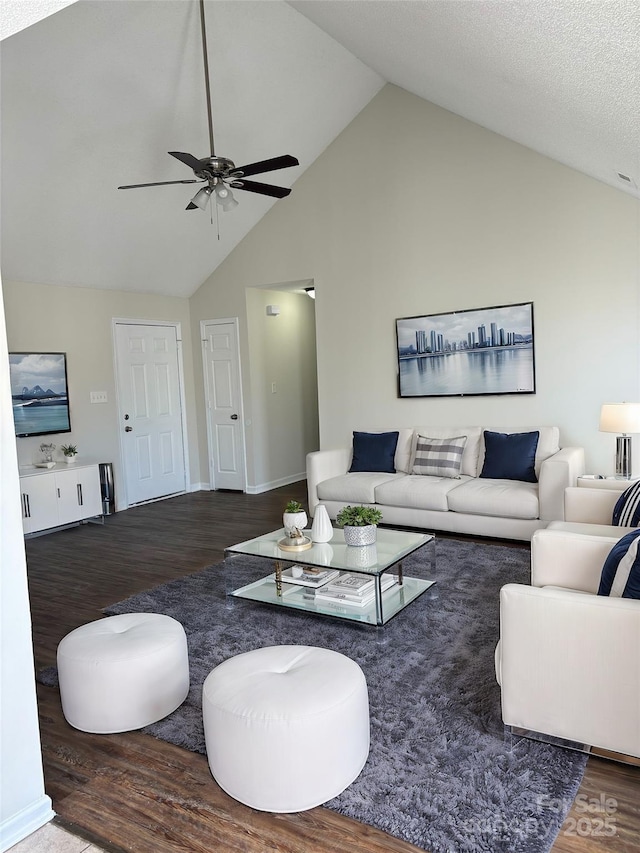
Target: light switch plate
{"x": 98, "y": 396}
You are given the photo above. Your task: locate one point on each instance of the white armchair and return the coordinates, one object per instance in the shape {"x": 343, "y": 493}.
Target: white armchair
{"x": 590, "y": 511}
{"x": 568, "y": 660}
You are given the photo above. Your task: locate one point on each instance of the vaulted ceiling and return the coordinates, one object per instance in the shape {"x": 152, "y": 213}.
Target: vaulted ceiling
{"x": 95, "y": 96}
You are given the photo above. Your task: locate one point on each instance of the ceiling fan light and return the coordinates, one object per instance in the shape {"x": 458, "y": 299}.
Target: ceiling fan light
{"x": 225, "y": 198}
{"x": 201, "y": 198}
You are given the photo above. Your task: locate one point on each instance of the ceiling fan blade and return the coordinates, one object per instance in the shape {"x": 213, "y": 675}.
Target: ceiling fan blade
{"x": 263, "y": 189}
{"x": 157, "y": 184}
{"x": 266, "y": 165}
{"x": 188, "y": 159}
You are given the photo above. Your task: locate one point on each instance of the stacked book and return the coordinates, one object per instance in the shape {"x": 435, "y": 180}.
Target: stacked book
{"x": 308, "y": 576}
{"x": 355, "y": 590}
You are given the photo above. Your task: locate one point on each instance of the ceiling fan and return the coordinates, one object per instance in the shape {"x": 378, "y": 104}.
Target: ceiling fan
{"x": 219, "y": 173}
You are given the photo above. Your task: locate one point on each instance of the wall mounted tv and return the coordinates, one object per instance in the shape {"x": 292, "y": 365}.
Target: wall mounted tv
{"x": 39, "y": 393}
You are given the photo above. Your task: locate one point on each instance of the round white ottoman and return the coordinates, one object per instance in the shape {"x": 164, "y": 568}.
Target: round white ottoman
{"x": 286, "y": 727}
{"x": 123, "y": 672}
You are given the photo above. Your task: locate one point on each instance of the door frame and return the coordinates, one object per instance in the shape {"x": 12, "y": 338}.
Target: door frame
{"x": 210, "y": 444}
{"x": 122, "y": 496}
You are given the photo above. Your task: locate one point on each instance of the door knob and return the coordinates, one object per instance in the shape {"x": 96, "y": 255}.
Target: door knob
{"x": 128, "y": 429}
{"x": 234, "y": 417}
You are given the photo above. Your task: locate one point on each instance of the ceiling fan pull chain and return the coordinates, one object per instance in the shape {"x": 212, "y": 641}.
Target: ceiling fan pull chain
{"x": 213, "y": 204}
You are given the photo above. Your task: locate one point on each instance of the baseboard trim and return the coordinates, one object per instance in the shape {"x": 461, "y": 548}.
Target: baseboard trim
{"x": 17, "y": 827}
{"x": 275, "y": 484}
{"x": 256, "y": 490}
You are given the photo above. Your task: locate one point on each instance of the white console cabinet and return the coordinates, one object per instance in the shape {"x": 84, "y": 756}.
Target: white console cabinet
{"x": 57, "y": 496}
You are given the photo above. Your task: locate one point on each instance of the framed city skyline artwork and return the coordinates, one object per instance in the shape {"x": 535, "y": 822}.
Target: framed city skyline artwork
{"x": 474, "y": 352}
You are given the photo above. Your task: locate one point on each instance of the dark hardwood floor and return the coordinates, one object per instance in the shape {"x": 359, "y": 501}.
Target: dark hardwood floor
{"x": 131, "y": 792}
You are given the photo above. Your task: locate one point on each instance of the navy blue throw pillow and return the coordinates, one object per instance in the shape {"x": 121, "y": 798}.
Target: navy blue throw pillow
{"x": 510, "y": 456}
{"x": 621, "y": 571}
{"x": 374, "y": 451}
{"x": 626, "y": 512}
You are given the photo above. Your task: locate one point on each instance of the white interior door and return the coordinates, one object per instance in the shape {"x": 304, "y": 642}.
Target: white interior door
{"x": 223, "y": 399}
{"x": 150, "y": 406}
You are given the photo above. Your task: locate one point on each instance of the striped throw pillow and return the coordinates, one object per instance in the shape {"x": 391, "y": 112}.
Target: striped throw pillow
{"x": 439, "y": 457}
{"x": 626, "y": 512}
{"x": 621, "y": 571}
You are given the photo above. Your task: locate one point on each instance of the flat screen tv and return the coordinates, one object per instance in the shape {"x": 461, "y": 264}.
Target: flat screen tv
{"x": 39, "y": 393}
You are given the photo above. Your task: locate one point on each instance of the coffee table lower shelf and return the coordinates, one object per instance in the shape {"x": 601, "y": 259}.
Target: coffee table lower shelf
{"x": 394, "y": 599}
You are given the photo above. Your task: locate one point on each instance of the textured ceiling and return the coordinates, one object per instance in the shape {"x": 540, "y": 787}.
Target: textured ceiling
{"x": 560, "y": 77}
{"x": 96, "y": 94}
{"x": 18, "y": 14}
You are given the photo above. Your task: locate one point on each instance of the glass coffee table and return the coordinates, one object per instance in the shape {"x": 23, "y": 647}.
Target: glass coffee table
{"x": 361, "y": 584}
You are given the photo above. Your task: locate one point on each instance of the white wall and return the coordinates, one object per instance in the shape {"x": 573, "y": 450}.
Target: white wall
{"x": 414, "y": 210}
{"x": 282, "y": 351}
{"x": 24, "y": 805}
{"x": 78, "y": 321}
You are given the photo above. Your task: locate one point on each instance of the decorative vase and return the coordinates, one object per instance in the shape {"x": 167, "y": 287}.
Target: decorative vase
{"x": 321, "y": 529}
{"x": 360, "y": 535}
{"x": 69, "y": 459}
{"x": 294, "y": 521}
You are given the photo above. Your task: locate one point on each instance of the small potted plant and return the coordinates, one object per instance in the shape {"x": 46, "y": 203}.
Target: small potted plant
{"x": 294, "y": 519}
{"x": 70, "y": 452}
{"x": 359, "y": 523}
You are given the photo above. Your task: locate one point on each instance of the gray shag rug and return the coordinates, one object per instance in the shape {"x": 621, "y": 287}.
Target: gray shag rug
{"x": 441, "y": 773}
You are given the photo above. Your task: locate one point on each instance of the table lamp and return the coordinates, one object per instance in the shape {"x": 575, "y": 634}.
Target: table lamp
{"x": 622, "y": 418}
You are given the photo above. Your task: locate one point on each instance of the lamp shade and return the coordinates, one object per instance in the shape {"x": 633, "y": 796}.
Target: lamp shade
{"x": 224, "y": 197}
{"x": 201, "y": 198}
{"x": 620, "y": 417}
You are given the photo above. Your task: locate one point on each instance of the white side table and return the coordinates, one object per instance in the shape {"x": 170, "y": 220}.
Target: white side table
{"x": 605, "y": 483}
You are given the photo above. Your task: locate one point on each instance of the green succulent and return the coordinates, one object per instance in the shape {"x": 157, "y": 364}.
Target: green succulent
{"x": 294, "y": 506}
{"x": 358, "y": 516}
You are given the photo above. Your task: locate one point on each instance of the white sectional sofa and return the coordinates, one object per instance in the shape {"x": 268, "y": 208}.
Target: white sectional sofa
{"x": 504, "y": 508}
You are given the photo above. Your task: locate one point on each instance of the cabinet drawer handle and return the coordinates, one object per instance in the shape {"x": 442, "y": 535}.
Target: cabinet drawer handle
{"x": 26, "y": 511}
{"x": 80, "y": 501}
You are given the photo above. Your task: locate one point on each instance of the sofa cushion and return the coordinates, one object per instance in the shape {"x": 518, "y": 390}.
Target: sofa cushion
{"x": 621, "y": 571}
{"x": 548, "y": 442}
{"x": 418, "y": 492}
{"x": 510, "y": 456}
{"x": 502, "y": 498}
{"x": 374, "y": 451}
{"x": 469, "y": 464}
{"x": 404, "y": 447}
{"x": 356, "y": 488}
{"x": 626, "y": 512}
{"x": 438, "y": 457}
